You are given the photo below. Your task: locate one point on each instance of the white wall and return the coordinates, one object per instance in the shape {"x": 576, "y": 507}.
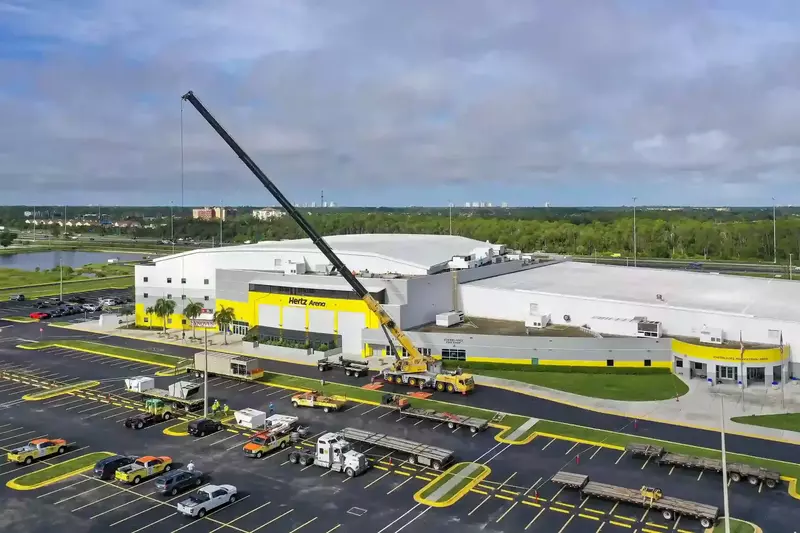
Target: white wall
{"x": 514, "y": 305}
{"x": 427, "y": 297}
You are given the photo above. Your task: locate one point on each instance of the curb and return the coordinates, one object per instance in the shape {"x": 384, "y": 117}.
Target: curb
{"x": 95, "y": 352}
{"x": 58, "y": 391}
{"x": 20, "y": 320}
{"x": 12, "y": 484}
{"x": 473, "y": 481}
{"x": 169, "y": 432}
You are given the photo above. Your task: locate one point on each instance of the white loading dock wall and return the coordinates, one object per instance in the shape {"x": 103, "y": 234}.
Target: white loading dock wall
{"x": 320, "y": 320}
{"x": 294, "y": 318}
{"x": 269, "y": 315}
{"x": 350, "y": 326}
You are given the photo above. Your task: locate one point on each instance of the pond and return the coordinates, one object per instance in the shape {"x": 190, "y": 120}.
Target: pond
{"x": 49, "y": 260}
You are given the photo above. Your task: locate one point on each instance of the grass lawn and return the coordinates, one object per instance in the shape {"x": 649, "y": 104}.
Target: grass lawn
{"x": 81, "y": 285}
{"x": 789, "y": 421}
{"x": 636, "y": 388}
{"x": 621, "y": 439}
{"x": 737, "y": 526}
{"x": 111, "y": 351}
{"x": 450, "y": 474}
{"x": 71, "y": 466}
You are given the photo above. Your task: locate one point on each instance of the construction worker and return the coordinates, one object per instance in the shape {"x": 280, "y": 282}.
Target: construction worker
{"x": 215, "y": 406}
{"x": 271, "y": 408}
{"x": 225, "y": 409}
{"x": 190, "y": 466}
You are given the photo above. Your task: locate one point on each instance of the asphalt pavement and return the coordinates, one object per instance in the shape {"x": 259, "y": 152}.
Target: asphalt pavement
{"x": 278, "y": 496}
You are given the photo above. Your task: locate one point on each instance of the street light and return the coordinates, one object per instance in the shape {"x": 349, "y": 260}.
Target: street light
{"x": 634, "y": 232}
{"x": 774, "y": 234}
{"x": 171, "y": 228}
{"x": 725, "y": 504}
{"x": 450, "y": 215}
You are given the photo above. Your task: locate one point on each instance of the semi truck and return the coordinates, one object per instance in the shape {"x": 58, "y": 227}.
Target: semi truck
{"x": 416, "y": 452}
{"x": 332, "y": 451}
{"x": 179, "y": 396}
{"x": 157, "y": 412}
{"x": 227, "y": 365}
{"x": 649, "y": 497}
{"x": 737, "y": 471}
{"x": 351, "y": 367}
{"x": 453, "y": 421}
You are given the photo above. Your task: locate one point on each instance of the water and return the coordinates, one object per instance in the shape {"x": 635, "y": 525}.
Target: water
{"x": 49, "y": 260}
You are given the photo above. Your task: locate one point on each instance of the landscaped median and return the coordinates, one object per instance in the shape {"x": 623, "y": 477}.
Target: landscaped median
{"x": 452, "y": 485}
{"x": 737, "y": 526}
{"x": 57, "y": 472}
{"x": 52, "y": 392}
{"x": 117, "y": 352}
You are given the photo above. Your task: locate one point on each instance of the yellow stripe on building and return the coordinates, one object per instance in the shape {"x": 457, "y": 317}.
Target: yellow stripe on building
{"x": 729, "y": 355}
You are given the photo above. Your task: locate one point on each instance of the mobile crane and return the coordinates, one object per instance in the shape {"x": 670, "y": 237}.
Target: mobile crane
{"x": 415, "y": 369}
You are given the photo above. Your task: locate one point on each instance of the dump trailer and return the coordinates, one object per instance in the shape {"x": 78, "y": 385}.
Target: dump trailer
{"x": 736, "y": 471}
{"x": 179, "y": 395}
{"x": 227, "y": 365}
{"x": 669, "y": 507}
{"x": 418, "y": 453}
{"x": 351, "y": 367}
{"x": 453, "y": 421}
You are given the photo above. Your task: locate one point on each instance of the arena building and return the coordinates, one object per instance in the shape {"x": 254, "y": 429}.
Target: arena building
{"x": 518, "y": 309}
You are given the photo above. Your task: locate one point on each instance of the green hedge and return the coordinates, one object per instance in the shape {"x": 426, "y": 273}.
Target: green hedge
{"x": 477, "y": 367}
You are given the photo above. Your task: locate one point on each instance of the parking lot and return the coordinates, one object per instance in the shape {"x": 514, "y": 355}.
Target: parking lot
{"x": 13, "y": 308}
{"x": 278, "y": 496}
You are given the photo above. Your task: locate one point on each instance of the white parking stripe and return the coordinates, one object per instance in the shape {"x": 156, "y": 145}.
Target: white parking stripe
{"x": 63, "y": 488}
{"x": 106, "y": 411}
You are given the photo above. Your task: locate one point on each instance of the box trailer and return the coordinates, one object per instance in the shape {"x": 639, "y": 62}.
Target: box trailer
{"x": 228, "y": 365}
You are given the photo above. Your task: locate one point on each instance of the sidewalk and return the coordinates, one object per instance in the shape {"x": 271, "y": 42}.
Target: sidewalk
{"x": 700, "y": 407}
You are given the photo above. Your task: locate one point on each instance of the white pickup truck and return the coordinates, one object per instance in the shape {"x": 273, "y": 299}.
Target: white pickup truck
{"x": 206, "y": 500}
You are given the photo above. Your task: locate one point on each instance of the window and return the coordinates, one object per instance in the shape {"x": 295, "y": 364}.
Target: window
{"x": 183, "y": 296}
{"x": 205, "y": 298}
{"x": 183, "y": 281}
{"x": 453, "y": 355}
{"x": 205, "y": 282}
{"x": 183, "y": 321}
{"x": 169, "y": 321}
{"x": 169, "y": 297}
{"x": 145, "y": 279}
{"x": 390, "y": 350}
{"x": 145, "y": 295}
{"x": 647, "y": 362}
{"x": 169, "y": 280}
{"x": 698, "y": 366}
{"x": 727, "y": 372}
{"x": 609, "y": 362}
{"x": 277, "y": 263}
{"x": 425, "y": 351}
{"x": 146, "y": 320}
{"x": 679, "y": 363}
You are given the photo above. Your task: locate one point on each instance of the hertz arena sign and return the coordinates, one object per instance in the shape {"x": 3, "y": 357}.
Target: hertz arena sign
{"x": 308, "y": 302}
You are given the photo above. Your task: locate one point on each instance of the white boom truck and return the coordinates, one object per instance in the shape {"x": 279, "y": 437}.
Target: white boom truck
{"x": 334, "y": 452}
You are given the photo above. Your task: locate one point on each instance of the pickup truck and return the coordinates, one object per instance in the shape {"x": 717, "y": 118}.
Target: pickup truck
{"x": 206, "y": 500}
{"x": 37, "y": 449}
{"x": 142, "y": 468}
{"x": 315, "y": 399}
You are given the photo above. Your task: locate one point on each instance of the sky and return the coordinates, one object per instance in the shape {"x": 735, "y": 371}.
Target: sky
{"x": 394, "y": 103}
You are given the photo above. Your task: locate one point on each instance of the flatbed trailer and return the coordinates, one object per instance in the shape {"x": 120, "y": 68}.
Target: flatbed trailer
{"x": 351, "y": 367}
{"x": 669, "y": 507}
{"x": 418, "y": 453}
{"x": 736, "y": 471}
{"x": 452, "y": 420}
{"x": 176, "y": 402}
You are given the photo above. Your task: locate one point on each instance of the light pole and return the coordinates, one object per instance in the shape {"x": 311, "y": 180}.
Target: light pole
{"x": 450, "y": 215}
{"x": 221, "y": 218}
{"x": 634, "y": 232}
{"x": 205, "y": 378}
{"x": 774, "y": 234}
{"x": 790, "y": 267}
{"x": 725, "y": 504}
{"x": 171, "y": 228}
{"x": 61, "y": 280}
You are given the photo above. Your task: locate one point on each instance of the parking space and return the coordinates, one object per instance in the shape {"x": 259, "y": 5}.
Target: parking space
{"x": 14, "y": 308}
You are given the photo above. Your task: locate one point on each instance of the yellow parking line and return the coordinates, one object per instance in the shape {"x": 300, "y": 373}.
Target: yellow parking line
{"x": 645, "y": 530}
{"x": 302, "y": 526}
{"x": 381, "y": 468}
{"x": 590, "y": 517}
{"x": 503, "y": 497}
{"x": 273, "y": 520}
{"x": 423, "y": 478}
{"x": 404, "y": 467}
{"x": 660, "y": 526}
{"x": 590, "y": 510}
{"x": 510, "y": 492}
{"x": 477, "y": 491}
{"x": 531, "y": 504}
{"x": 620, "y": 524}
{"x": 556, "y": 509}
{"x": 334, "y": 528}
{"x": 564, "y": 504}
{"x": 485, "y": 487}
{"x": 400, "y": 472}
{"x": 628, "y": 518}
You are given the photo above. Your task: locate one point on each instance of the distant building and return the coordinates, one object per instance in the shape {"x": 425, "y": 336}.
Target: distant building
{"x": 267, "y": 213}
{"x": 504, "y": 205}
{"x": 212, "y": 213}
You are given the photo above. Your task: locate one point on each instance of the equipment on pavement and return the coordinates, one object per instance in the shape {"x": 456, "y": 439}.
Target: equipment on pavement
{"x": 179, "y": 395}
{"x": 453, "y": 421}
{"x": 351, "y": 367}
{"x": 250, "y": 418}
{"x": 413, "y": 369}
{"x": 416, "y": 452}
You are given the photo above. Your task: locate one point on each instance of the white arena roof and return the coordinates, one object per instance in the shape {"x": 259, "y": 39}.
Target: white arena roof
{"x": 418, "y": 251}
{"x": 763, "y": 298}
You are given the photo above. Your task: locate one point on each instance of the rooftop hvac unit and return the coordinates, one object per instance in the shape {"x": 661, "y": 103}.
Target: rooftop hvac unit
{"x": 711, "y": 335}
{"x": 250, "y": 418}
{"x": 184, "y": 389}
{"x": 446, "y": 320}
{"x": 139, "y": 384}
{"x": 537, "y": 321}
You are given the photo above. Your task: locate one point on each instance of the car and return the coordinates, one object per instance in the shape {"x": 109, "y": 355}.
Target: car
{"x": 204, "y": 426}
{"x": 206, "y": 500}
{"x": 39, "y": 315}
{"x": 58, "y": 312}
{"x": 178, "y": 481}
{"x": 106, "y": 468}
{"x": 143, "y": 468}
{"x": 17, "y": 298}
{"x": 41, "y": 305}
{"x": 37, "y": 449}
{"x": 78, "y": 300}
{"x": 91, "y": 308}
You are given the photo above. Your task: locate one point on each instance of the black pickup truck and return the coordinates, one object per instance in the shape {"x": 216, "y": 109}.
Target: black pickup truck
{"x": 143, "y": 420}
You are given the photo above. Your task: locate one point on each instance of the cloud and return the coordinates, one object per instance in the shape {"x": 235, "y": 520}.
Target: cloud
{"x": 389, "y": 100}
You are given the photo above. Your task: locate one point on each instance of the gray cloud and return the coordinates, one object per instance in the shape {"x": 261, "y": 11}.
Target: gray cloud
{"x": 375, "y": 94}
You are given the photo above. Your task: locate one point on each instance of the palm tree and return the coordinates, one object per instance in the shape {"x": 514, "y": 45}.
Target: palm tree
{"x": 223, "y": 317}
{"x": 150, "y": 311}
{"x": 191, "y": 312}
{"x": 163, "y": 309}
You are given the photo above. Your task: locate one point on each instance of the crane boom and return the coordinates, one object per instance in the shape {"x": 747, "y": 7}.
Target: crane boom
{"x": 415, "y": 361}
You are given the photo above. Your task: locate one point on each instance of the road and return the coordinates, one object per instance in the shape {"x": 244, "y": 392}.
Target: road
{"x": 707, "y": 266}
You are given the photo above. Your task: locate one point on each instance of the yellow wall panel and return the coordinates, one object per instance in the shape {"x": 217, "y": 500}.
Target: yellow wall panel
{"x": 729, "y": 355}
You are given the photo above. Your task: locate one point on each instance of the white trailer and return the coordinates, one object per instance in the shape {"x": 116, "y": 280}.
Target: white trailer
{"x": 232, "y": 366}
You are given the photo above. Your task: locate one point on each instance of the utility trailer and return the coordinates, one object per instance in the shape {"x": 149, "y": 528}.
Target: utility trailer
{"x": 178, "y": 395}
{"x": 418, "y": 453}
{"x": 669, "y": 507}
{"x": 453, "y": 421}
{"x": 351, "y": 367}
{"x": 736, "y": 471}
{"x": 227, "y": 365}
